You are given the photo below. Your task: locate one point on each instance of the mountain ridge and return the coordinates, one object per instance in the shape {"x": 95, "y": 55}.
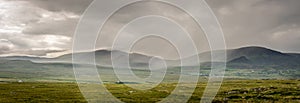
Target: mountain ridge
{"x": 253, "y": 55}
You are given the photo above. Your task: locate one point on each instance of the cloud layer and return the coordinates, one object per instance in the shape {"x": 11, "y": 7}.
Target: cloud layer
{"x": 28, "y": 29}
{"x": 40, "y": 27}
{"x": 271, "y": 23}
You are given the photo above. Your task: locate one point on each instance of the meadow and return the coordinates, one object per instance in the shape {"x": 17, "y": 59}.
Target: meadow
{"x": 268, "y": 91}
{"x": 56, "y": 83}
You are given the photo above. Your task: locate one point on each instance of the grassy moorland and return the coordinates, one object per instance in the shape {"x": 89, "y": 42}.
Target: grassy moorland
{"x": 280, "y": 91}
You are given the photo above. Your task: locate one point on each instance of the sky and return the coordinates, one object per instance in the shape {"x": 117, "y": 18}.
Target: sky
{"x": 46, "y": 27}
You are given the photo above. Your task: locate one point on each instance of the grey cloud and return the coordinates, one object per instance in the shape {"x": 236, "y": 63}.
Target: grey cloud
{"x": 42, "y": 41}
{"x": 65, "y": 27}
{"x": 34, "y": 45}
{"x": 5, "y": 46}
{"x": 13, "y": 47}
{"x": 76, "y": 6}
{"x": 38, "y": 52}
{"x": 254, "y": 22}
{"x": 126, "y": 14}
{"x": 56, "y": 9}
{"x": 4, "y": 49}
{"x": 270, "y": 23}
{"x": 31, "y": 30}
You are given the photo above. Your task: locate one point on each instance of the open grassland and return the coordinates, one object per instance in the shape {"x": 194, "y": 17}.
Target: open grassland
{"x": 280, "y": 91}
{"x": 40, "y": 92}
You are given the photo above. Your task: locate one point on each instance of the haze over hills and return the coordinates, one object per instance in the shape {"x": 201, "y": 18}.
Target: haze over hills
{"x": 102, "y": 58}
{"x": 241, "y": 63}
{"x": 246, "y": 57}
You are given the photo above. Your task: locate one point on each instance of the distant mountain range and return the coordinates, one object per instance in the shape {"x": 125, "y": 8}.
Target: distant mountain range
{"x": 247, "y": 57}
{"x": 102, "y": 58}
{"x": 258, "y": 57}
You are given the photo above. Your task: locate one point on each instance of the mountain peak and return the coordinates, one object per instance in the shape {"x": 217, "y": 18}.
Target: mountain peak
{"x": 256, "y": 50}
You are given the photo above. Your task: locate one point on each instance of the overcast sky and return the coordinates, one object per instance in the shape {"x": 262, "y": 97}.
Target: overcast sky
{"x": 46, "y": 27}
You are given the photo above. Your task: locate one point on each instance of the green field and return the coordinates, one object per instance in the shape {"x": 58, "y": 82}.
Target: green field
{"x": 280, "y": 91}
{"x": 56, "y": 83}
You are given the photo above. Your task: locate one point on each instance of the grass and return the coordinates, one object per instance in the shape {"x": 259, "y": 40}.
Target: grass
{"x": 256, "y": 91}
{"x": 40, "y": 92}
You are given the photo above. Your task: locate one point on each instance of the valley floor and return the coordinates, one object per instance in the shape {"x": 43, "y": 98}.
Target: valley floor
{"x": 256, "y": 91}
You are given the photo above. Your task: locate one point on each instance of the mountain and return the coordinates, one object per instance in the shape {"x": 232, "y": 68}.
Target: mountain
{"x": 33, "y": 59}
{"x": 8, "y": 63}
{"x": 244, "y": 62}
{"x": 259, "y": 55}
{"x": 246, "y": 57}
{"x": 263, "y": 57}
{"x": 256, "y": 57}
{"x": 102, "y": 58}
{"x": 241, "y": 59}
